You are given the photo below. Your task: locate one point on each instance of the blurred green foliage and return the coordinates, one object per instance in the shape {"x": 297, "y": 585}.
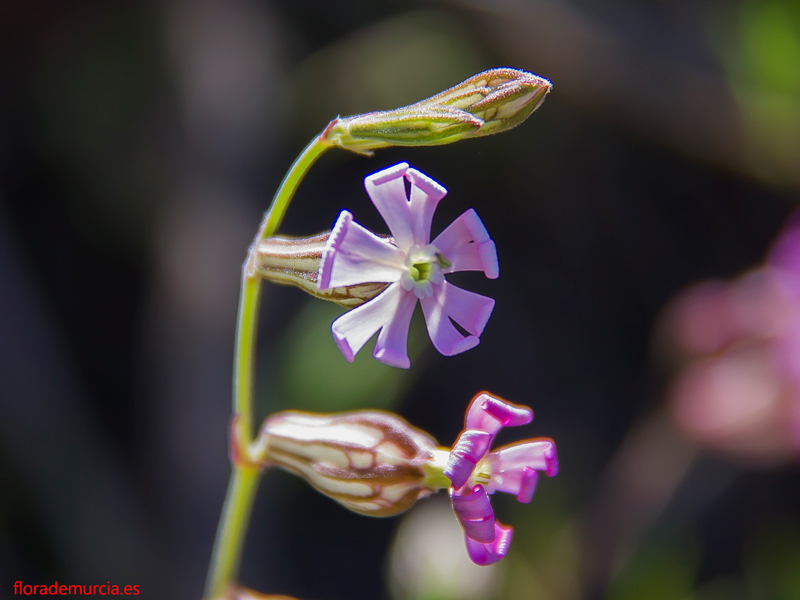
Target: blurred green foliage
{"x": 772, "y": 561}
{"x": 664, "y": 570}
{"x": 764, "y": 67}
{"x": 313, "y": 375}
{"x": 383, "y": 67}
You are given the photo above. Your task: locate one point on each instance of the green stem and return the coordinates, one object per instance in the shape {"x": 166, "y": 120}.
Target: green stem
{"x": 228, "y": 546}
{"x": 251, "y": 290}
{"x": 231, "y": 533}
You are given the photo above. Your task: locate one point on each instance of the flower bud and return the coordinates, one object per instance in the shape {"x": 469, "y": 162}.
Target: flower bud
{"x": 372, "y": 462}
{"x": 296, "y": 261}
{"x": 489, "y": 102}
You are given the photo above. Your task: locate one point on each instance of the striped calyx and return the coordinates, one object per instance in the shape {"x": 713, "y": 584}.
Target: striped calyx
{"x": 372, "y": 462}
{"x": 296, "y": 261}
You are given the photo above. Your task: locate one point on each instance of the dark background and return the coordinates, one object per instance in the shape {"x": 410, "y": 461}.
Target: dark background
{"x": 140, "y": 143}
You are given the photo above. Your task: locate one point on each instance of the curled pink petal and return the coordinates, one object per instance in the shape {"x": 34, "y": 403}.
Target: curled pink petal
{"x": 470, "y": 447}
{"x": 425, "y": 196}
{"x": 468, "y": 247}
{"x": 537, "y": 454}
{"x": 489, "y": 413}
{"x": 487, "y": 554}
{"x": 354, "y": 329}
{"x": 355, "y": 255}
{"x": 387, "y": 190}
{"x": 474, "y": 511}
{"x": 527, "y": 486}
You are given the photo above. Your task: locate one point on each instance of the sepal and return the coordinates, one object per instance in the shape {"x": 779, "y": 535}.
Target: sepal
{"x": 296, "y": 261}
{"x": 370, "y": 461}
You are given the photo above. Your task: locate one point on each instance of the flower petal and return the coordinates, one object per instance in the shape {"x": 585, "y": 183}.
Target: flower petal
{"x": 527, "y": 485}
{"x": 487, "y": 554}
{"x": 354, "y": 328}
{"x": 387, "y": 190}
{"x": 392, "y": 345}
{"x": 474, "y": 511}
{"x": 470, "y": 447}
{"x": 468, "y": 247}
{"x": 468, "y": 309}
{"x": 425, "y": 196}
{"x": 491, "y": 414}
{"x": 536, "y": 454}
{"x": 354, "y": 255}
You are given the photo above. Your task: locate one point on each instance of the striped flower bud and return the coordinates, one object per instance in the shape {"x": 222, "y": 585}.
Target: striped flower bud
{"x": 372, "y": 462}
{"x": 489, "y": 102}
{"x": 296, "y": 261}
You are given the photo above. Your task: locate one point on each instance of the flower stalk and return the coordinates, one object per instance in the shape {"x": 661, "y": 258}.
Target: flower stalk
{"x": 487, "y": 103}
{"x": 231, "y": 533}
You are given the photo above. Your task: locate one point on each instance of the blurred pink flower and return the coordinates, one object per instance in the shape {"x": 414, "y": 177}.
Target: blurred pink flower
{"x": 740, "y": 391}
{"x": 476, "y": 473}
{"x": 413, "y": 266}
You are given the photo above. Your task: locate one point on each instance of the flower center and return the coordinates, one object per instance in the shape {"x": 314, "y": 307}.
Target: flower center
{"x": 423, "y": 270}
{"x": 420, "y": 271}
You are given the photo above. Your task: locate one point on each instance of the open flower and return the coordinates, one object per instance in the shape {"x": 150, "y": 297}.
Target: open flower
{"x": 413, "y": 266}
{"x": 375, "y": 463}
{"x": 476, "y": 473}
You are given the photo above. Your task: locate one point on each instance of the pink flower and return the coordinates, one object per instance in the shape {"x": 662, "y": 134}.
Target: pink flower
{"x": 476, "y": 473}
{"x": 413, "y": 266}
{"x": 738, "y": 388}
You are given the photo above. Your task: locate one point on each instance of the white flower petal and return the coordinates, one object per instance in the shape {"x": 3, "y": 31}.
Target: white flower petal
{"x": 354, "y": 255}
{"x": 445, "y": 337}
{"x": 467, "y": 245}
{"x": 425, "y": 196}
{"x": 392, "y": 345}
{"x": 387, "y": 189}
{"x": 354, "y": 328}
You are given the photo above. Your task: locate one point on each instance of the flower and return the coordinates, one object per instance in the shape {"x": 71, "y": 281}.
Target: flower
{"x": 475, "y": 473}
{"x": 376, "y": 464}
{"x": 737, "y": 391}
{"x": 413, "y": 266}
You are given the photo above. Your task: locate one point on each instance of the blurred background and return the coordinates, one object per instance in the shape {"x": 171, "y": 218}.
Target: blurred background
{"x": 640, "y": 310}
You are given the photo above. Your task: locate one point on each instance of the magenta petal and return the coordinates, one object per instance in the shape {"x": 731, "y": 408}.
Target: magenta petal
{"x": 528, "y": 480}
{"x": 488, "y": 413}
{"x": 536, "y": 454}
{"x": 470, "y": 447}
{"x": 425, "y": 196}
{"x": 467, "y": 245}
{"x": 387, "y": 189}
{"x": 474, "y": 512}
{"x": 354, "y": 328}
{"x": 354, "y": 255}
{"x": 487, "y": 554}
{"x": 392, "y": 344}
